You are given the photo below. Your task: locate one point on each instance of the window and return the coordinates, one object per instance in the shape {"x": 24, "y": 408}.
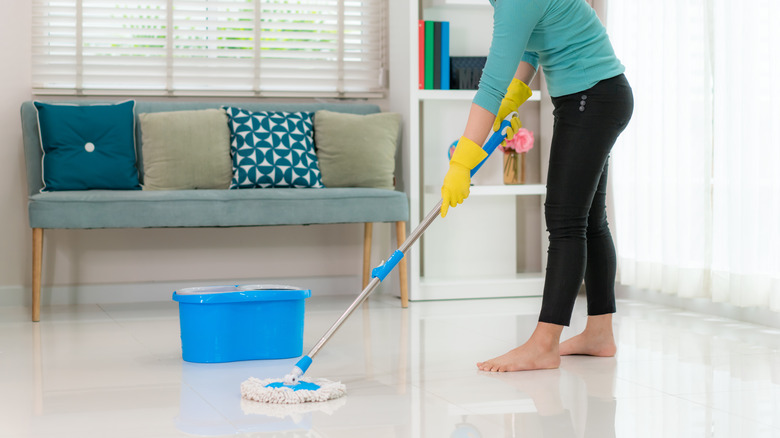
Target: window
{"x": 697, "y": 192}
{"x": 328, "y": 48}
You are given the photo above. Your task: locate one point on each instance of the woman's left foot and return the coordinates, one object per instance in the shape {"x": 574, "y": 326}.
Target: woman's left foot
{"x": 590, "y": 344}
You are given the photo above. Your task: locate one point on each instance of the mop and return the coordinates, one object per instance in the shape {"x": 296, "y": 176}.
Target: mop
{"x": 296, "y": 411}
{"x": 293, "y": 389}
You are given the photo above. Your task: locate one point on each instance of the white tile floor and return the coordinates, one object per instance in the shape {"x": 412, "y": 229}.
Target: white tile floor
{"x": 116, "y": 371}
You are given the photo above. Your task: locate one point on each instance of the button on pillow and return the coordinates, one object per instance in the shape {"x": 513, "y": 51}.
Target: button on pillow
{"x": 88, "y": 146}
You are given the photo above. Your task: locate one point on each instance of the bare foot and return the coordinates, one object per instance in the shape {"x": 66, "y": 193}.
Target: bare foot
{"x": 596, "y": 340}
{"x": 540, "y": 352}
{"x": 589, "y": 343}
{"x": 523, "y": 358}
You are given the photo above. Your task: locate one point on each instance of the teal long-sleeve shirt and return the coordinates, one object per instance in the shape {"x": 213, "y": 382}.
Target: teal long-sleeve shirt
{"x": 565, "y": 37}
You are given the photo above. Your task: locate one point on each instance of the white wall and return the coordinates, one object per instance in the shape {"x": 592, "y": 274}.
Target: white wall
{"x": 15, "y": 235}
{"x": 152, "y": 263}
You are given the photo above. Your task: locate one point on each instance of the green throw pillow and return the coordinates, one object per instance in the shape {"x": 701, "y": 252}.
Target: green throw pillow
{"x": 186, "y": 150}
{"x": 356, "y": 150}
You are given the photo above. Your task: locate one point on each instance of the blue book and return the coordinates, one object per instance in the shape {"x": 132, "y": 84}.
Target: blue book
{"x": 445, "y": 55}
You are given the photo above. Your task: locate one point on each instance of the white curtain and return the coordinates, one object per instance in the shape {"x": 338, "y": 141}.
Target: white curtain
{"x": 746, "y": 186}
{"x": 697, "y": 200}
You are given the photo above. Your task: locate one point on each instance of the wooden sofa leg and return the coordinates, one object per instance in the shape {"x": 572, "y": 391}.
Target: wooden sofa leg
{"x": 36, "y": 280}
{"x": 368, "y": 232}
{"x": 400, "y": 237}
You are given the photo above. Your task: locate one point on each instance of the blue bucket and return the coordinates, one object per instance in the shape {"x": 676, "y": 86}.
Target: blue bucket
{"x": 232, "y": 323}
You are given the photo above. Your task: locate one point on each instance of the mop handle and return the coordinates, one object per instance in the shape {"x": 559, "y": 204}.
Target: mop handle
{"x": 495, "y": 139}
{"x": 376, "y": 279}
{"x": 380, "y": 272}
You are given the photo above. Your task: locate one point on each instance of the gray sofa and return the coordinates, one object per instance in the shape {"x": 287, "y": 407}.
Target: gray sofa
{"x": 204, "y": 208}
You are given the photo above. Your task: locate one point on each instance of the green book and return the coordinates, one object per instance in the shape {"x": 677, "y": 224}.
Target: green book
{"x": 429, "y": 49}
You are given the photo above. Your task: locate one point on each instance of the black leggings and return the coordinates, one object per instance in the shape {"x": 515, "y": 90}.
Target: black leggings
{"x": 587, "y": 124}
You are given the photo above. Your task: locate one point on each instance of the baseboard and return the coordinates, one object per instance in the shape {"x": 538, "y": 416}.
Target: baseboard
{"x": 162, "y": 291}
{"x": 702, "y": 305}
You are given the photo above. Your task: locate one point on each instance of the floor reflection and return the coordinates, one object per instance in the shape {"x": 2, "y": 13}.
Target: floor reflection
{"x": 574, "y": 401}
{"x": 599, "y": 376}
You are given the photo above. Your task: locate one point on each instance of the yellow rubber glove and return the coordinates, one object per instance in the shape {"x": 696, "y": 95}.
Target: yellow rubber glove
{"x": 458, "y": 179}
{"x": 516, "y": 95}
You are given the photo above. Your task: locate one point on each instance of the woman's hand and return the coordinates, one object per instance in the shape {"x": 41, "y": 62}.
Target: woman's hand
{"x": 517, "y": 93}
{"x": 456, "y": 184}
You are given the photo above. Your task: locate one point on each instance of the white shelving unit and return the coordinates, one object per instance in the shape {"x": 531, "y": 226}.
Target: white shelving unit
{"x": 467, "y": 95}
{"x": 494, "y": 245}
{"x": 432, "y": 3}
{"x": 502, "y": 190}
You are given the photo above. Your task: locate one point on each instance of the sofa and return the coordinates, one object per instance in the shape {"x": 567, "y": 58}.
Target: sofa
{"x": 192, "y": 208}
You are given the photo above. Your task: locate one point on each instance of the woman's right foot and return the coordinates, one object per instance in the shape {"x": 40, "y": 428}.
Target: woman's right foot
{"x": 540, "y": 352}
{"x": 527, "y": 357}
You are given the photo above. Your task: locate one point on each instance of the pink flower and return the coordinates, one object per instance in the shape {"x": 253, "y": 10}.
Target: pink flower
{"x": 523, "y": 141}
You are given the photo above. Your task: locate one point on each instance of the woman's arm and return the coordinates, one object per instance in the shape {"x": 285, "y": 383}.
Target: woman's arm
{"x": 525, "y": 72}
{"x": 513, "y": 24}
{"x": 480, "y": 120}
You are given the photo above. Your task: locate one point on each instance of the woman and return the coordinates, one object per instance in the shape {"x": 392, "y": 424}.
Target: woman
{"x": 593, "y": 104}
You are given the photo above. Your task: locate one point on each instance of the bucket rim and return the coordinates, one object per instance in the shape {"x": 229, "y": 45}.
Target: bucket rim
{"x": 237, "y": 295}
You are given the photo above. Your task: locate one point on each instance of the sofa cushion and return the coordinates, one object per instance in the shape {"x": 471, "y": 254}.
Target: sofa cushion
{"x": 214, "y": 208}
{"x": 186, "y": 150}
{"x": 32, "y": 146}
{"x": 356, "y": 150}
{"x": 88, "y": 146}
{"x": 272, "y": 149}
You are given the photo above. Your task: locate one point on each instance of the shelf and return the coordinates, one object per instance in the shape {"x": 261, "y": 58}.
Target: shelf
{"x": 455, "y": 288}
{"x": 462, "y": 95}
{"x": 482, "y": 266}
{"x": 499, "y": 190}
{"x": 475, "y": 3}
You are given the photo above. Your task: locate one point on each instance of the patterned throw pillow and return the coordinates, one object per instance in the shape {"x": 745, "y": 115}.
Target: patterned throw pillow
{"x": 272, "y": 149}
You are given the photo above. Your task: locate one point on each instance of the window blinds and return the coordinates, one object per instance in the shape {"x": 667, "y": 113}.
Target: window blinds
{"x": 210, "y": 47}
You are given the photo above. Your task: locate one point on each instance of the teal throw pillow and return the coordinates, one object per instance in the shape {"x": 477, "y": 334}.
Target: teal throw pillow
{"x": 88, "y": 146}
{"x": 272, "y": 149}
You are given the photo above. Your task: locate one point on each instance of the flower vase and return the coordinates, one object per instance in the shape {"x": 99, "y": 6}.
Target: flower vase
{"x": 514, "y": 167}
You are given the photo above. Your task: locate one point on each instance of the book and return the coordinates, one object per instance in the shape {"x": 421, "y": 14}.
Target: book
{"x": 429, "y": 55}
{"x": 421, "y": 53}
{"x": 437, "y": 55}
{"x": 445, "y": 55}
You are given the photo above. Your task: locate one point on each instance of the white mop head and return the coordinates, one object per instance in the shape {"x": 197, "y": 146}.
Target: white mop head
{"x": 258, "y": 390}
{"x": 296, "y": 412}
